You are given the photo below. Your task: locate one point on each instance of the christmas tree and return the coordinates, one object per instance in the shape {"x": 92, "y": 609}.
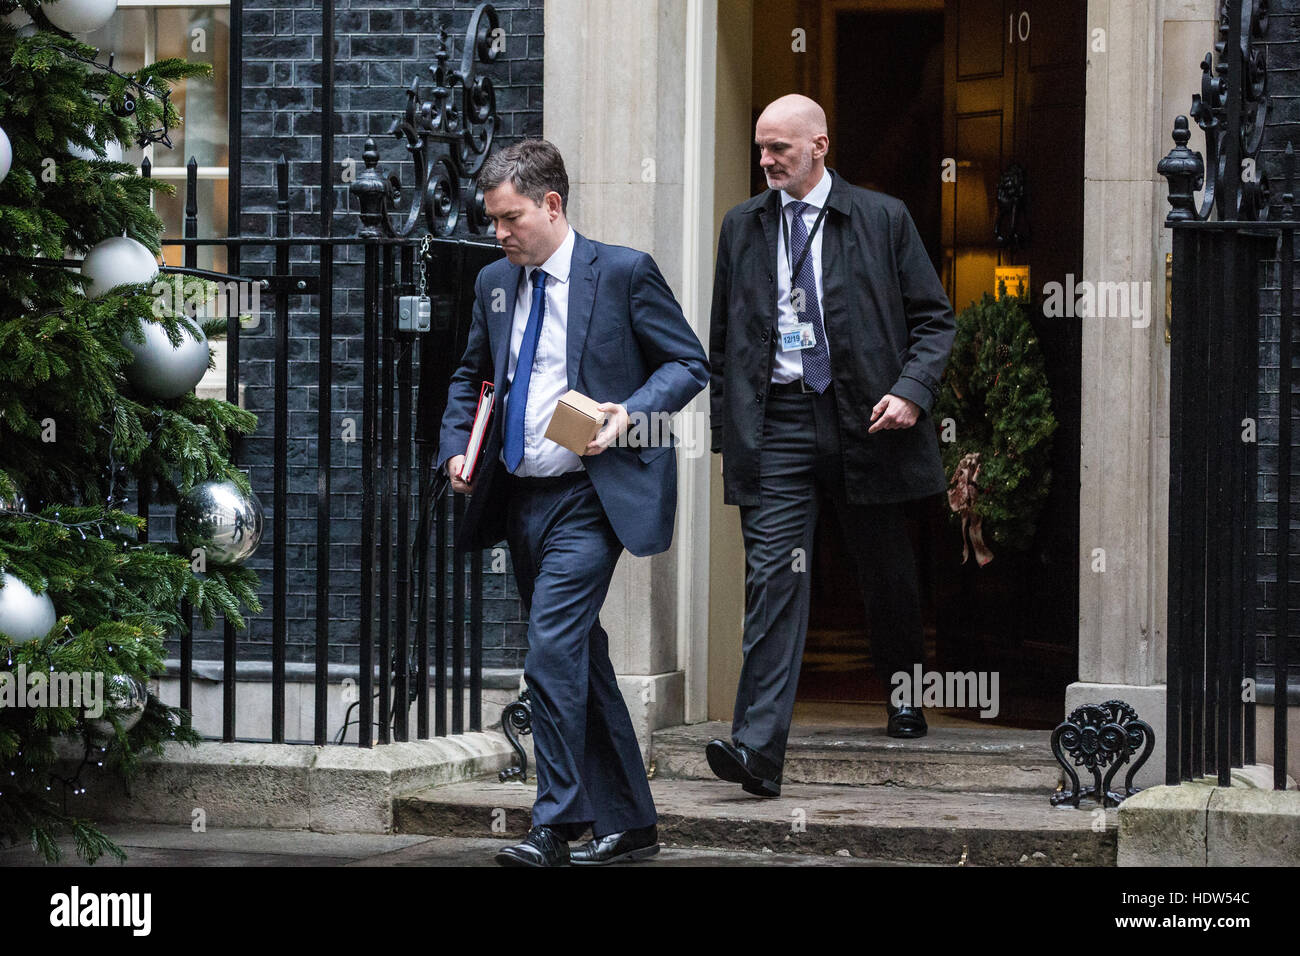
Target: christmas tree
{"x": 97, "y": 370}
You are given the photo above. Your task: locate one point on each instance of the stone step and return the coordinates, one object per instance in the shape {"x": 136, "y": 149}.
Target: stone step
{"x": 890, "y": 824}
{"x": 948, "y": 758}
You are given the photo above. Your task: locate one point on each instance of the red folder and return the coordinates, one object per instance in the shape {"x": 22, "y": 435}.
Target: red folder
{"x": 478, "y": 434}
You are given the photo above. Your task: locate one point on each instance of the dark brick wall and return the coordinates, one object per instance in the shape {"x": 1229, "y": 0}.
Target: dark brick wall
{"x": 1283, "y": 49}
{"x": 381, "y": 46}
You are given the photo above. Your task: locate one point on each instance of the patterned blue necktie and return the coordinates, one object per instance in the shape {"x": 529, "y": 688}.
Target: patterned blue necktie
{"x": 816, "y": 360}
{"x": 517, "y": 405}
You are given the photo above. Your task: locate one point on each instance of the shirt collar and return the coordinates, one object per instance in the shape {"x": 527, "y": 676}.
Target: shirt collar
{"x": 557, "y": 266}
{"x": 816, "y": 196}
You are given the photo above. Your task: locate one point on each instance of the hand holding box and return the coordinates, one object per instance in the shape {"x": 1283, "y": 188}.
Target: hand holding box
{"x": 576, "y": 422}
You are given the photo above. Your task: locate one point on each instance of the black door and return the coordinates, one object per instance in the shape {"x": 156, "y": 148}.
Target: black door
{"x": 985, "y": 83}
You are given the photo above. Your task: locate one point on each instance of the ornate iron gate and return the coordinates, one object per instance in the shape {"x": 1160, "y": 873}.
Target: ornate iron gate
{"x": 1215, "y": 403}
{"x": 448, "y": 136}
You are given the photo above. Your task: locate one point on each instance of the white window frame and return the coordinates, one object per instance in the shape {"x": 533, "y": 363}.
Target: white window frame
{"x": 213, "y": 384}
{"x": 177, "y": 173}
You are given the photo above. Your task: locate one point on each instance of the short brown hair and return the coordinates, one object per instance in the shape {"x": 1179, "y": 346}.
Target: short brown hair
{"x": 533, "y": 166}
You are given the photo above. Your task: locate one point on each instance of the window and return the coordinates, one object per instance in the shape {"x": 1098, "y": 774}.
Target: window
{"x": 143, "y": 32}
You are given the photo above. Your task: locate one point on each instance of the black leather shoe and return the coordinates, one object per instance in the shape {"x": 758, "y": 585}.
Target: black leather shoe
{"x": 625, "y": 847}
{"x": 542, "y": 847}
{"x": 906, "y": 722}
{"x": 738, "y": 764}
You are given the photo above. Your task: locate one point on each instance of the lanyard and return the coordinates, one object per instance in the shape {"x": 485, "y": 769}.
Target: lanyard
{"x": 785, "y": 233}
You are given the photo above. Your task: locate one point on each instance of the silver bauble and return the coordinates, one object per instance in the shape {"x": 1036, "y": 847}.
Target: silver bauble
{"x": 116, "y": 261}
{"x": 159, "y": 369}
{"x": 126, "y": 698}
{"x": 79, "y": 16}
{"x": 6, "y": 155}
{"x": 216, "y": 517}
{"x": 24, "y": 614}
{"x": 112, "y": 151}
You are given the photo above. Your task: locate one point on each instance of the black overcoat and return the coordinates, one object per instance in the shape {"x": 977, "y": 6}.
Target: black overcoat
{"x": 888, "y": 323}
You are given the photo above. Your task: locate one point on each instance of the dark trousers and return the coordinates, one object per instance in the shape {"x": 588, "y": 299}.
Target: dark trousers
{"x": 589, "y": 767}
{"x": 800, "y": 466}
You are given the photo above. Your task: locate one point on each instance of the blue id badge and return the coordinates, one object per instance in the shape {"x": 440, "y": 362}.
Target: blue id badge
{"x": 799, "y": 338}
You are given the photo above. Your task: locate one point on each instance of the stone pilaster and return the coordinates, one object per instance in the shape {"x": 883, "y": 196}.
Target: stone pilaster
{"x": 616, "y": 106}
{"x": 1135, "y": 88}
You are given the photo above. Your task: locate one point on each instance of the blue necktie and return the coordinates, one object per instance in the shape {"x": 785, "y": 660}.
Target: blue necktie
{"x": 517, "y": 406}
{"x": 816, "y": 360}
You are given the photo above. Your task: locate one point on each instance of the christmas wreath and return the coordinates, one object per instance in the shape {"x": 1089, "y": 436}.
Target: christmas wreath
{"x": 995, "y": 421}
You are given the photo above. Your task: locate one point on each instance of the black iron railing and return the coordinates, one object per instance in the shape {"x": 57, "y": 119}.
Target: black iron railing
{"x": 1217, "y": 331}
{"x": 404, "y": 517}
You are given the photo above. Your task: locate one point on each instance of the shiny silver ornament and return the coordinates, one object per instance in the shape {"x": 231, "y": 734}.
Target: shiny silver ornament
{"x": 216, "y": 518}
{"x": 24, "y": 614}
{"x": 16, "y": 503}
{"x": 164, "y": 372}
{"x": 125, "y": 697}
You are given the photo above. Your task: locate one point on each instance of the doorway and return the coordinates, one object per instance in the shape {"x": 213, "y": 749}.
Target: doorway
{"x": 907, "y": 84}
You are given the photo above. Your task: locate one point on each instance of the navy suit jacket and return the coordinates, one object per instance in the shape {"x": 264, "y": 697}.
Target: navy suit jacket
{"x": 629, "y": 343}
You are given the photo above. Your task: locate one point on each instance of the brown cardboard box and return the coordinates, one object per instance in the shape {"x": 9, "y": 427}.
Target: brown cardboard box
{"x": 575, "y": 422}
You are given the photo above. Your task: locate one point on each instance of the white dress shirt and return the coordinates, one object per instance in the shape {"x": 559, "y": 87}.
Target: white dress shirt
{"x": 788, "y": 366}
{"x": 550, "y": 375}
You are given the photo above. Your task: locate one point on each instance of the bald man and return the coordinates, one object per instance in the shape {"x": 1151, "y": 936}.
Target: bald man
{"x": 830, "y": 332}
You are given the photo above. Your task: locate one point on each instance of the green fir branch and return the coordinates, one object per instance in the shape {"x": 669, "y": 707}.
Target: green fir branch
{"x": 73, "y": 431}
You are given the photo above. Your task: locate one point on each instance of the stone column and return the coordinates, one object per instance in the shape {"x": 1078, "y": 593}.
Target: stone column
{"x": 1142, "y": 71}
{"x": 617, "y": 80}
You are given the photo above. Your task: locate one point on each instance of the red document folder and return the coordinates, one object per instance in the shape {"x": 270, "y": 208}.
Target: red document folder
{"x": 478, "y": 434}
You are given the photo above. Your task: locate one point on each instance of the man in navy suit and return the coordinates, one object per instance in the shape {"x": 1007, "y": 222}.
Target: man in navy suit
{"x": 562, "y": 312}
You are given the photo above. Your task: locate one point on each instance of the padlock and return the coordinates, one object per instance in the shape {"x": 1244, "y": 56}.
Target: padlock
{"x": 414, "y": 313}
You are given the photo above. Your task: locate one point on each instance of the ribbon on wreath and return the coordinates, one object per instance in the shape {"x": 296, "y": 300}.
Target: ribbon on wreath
{"x": 962, "y": 493}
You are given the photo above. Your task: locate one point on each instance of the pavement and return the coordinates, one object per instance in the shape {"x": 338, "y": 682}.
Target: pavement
{"x": 167, "y": 846}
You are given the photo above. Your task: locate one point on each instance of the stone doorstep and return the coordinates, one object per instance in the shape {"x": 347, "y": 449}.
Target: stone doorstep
{"x": 882, "y": 823}
{"x": 1203, "y": 824}
{"x": 335, "y": 789}
{"x": 947, "y": 758}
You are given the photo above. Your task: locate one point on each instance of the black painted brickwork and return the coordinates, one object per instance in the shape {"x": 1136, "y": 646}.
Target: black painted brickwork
{"x": 381, "y": 45}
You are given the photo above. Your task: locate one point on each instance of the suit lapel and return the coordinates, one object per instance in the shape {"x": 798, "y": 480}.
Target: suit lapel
{"x": 582, "y": 298}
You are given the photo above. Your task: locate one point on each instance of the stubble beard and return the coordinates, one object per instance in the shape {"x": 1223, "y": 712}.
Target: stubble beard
{"x": 798, "y": 176}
